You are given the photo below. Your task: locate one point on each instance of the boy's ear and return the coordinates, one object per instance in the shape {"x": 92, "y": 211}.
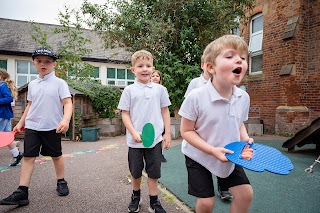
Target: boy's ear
{"x": 132, "y": 69}
{"x": 209, "y": 67}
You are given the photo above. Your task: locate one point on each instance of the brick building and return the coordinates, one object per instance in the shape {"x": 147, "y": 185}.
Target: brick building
{"x": 284, "y": 66}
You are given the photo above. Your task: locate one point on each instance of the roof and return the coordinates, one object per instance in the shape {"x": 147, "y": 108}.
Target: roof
{"x": 16, "y": 39}
{"x": 73, "y": 91}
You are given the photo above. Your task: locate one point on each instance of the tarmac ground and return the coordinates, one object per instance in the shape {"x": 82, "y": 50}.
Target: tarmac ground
{"x": 97, "y": 174}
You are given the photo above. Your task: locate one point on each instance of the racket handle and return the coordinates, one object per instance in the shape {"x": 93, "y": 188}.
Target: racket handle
{"x": 16, "y": 132}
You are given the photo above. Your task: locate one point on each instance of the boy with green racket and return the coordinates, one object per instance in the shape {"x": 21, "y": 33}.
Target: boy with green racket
{"x": 141, "y": 103}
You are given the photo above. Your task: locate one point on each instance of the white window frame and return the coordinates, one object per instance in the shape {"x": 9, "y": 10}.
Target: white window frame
{"x": 120, "y": 82}
{"x": 255, "y": 44}
{"x": 29, "y": 75}
{"x": 236, "y": 30}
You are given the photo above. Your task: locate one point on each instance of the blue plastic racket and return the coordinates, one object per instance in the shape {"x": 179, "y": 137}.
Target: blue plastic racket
{"x": 263, "y": 158}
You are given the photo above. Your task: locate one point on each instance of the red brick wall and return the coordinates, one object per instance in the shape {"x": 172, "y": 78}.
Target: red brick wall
{"x": 269, "y": 90}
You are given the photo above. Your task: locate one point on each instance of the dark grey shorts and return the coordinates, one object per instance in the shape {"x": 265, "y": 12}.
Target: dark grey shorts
{"x": 47, "y": 143}
{"x": 150, "y": 158}
{"x": 200, "y": 180}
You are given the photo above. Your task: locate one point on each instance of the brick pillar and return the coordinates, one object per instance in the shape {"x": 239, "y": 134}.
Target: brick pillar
{"x": 291, "y": 119}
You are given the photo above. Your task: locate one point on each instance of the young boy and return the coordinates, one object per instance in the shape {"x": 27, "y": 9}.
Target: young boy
{"x": 46, "y": 116}
{"x": 145, "y": 102}
{"x": 212, "y": 117}
{"x": 223, "y": 191}
{"x": 199, "y": 81}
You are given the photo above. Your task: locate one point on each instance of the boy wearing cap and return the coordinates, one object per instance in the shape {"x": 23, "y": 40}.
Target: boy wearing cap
{"x": 46, "y": 116}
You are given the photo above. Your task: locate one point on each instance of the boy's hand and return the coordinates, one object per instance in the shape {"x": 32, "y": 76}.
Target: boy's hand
{"x": 63, "y": 127}
{"x": 18, "y": 127}
{"x": 220, "y": 152}
{"x": 250, "y": 140}
{"x": 137, "y": 137}
{"x": 166, "y": 142}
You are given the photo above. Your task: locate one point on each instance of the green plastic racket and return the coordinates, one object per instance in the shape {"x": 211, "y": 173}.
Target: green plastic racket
{"x": 147, "y": 135}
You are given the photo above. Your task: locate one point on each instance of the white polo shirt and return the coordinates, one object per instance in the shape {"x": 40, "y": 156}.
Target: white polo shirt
{"x": 195, "y": 83}
{"x": 217, "y": 121}
{"x": 46, "y": 110}
{"x": 144, "y": 103}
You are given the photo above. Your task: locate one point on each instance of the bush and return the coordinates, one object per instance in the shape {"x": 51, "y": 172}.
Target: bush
{"x": 176, "y": 78}
{"x": 104, "y": 99}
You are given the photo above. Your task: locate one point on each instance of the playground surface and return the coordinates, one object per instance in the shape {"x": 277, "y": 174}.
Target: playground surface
{"x": 296, "y": 192}
{"x": 97, "y": 173}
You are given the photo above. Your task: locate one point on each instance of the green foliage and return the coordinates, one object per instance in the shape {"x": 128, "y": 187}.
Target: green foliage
{"x": 179, "y": 27}
{"x": 74, "y": 45}
{"x": 176, "y": 78}
{"x": 40, "y": 36}
{"x": 174, "y": 31}
{"x": 78, "y": 122}
{"x": 105, "y": 99}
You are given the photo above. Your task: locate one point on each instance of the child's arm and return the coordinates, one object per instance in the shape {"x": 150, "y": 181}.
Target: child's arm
{"x": 244, "y": 134}
{"x": 191, "y": 136}
{"x": 6, "y": 97}
{"x": 22, "y": 120}
{"x": 128, "y": 124}
{"x": 167, "y": 135}
{"x": 67, "y": 113}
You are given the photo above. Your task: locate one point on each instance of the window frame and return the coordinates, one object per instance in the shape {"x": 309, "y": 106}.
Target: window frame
{"x": 258, "y": 51}
{"x": 235, "y": 30}
{"x": 96, "y": 69}
{"x": 124, "y": 82}
{"x": 6, "y": 63}
{"x": 29, "y": 75}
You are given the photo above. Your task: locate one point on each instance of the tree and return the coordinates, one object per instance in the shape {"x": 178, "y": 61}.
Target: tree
{"x": 178, "y": 27}
{"x": 72, "y": 50}
{"x": 73, "y": 46}
{"x": 175, "y": 31}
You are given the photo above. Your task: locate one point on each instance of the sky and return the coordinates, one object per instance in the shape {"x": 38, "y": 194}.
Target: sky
{"x": 41, "y": 11}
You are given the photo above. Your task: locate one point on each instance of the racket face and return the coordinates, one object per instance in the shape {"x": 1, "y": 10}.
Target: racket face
{"x": 147, "y": 135}
{"x": 263, "y": 158}
{"x": 6, "y": 138}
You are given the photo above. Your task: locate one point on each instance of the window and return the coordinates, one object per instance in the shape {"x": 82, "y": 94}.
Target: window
{"x": 255, "y": 45}
{"x": 3, "y": 64}
{"x": 81, "y": 73}
{"x": 95, "y": 73}
{"x": 26, "y": 72}
{"x": 119, "y": 76}
{"x": 235, "y": 30}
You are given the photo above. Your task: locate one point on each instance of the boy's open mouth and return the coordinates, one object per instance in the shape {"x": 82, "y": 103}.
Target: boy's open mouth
{"x": 237, "y": 70}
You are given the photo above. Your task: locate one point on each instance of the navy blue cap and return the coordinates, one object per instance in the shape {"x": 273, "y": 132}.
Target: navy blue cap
{"x": 44, "y": 51}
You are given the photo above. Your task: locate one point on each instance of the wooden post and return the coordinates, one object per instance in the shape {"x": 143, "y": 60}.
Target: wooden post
{"x": 73, "y": 117}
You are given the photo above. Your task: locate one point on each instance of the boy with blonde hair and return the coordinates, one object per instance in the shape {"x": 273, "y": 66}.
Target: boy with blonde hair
{"x": 212, "y": 117}
{"x": 145, "y": 102}
{"x": 205, "y": 76}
